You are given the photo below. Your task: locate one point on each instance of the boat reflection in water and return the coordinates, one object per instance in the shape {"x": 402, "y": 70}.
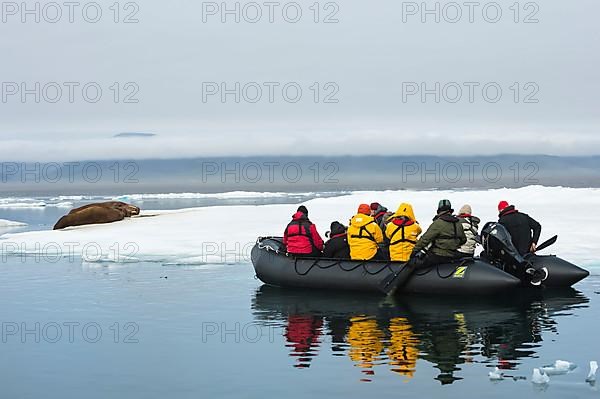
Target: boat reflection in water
{"x": 395, "y": 332}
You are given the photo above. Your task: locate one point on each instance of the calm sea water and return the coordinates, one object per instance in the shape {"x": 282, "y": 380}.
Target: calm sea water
{"x": 149, "y": 330}
{"x": 146, "y": 330}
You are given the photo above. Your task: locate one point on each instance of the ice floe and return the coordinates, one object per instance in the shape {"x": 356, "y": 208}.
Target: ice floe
{"x": 559, "y": 367}
{"x": 591, "y": 378}
{"x": 539, "y": 377}
{"x": 225, "y": 234}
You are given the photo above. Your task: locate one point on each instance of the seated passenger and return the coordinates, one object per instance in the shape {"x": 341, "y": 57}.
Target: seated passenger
{"x": 365, "y": 236}
{"x": 524, "y": 230}
{"x": 337, "y": 245}
{"x": 301, "y": 236}
{"x": 380, "y": 214}
{"x": 442, "y": 239}
{"x": 470, "y": 226}
{"x": 402, "y": 233}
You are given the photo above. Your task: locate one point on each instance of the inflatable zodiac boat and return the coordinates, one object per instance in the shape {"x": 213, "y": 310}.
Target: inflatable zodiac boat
{"x": 496, "y": 271}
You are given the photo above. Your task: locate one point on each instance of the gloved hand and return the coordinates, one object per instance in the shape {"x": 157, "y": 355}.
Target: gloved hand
{"x": 418, "y": 255}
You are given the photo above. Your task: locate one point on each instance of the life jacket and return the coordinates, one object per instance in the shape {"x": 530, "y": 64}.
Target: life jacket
{"x": 363, "y": 229}
{"x": 303, "y": 230}
{"x": 401, "y": 223}
{"x": 364, "y": 237}
{"x": 380, "y": 214}
{"x": 469, "y": 219}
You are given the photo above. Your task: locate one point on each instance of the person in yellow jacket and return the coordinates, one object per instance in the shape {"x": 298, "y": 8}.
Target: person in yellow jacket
{"x": 365, "y": 236}
{"x": 402, "y": 233}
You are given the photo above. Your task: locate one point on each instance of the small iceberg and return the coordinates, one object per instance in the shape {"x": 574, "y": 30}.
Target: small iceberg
{"x": 559, "y": 367}
{"x": 496, "y": 375}
{"x": 539, "y": 377}
{"x": 591, "y": 378}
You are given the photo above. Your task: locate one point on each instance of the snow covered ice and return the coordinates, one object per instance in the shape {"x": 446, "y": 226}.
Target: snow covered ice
{"x": 226, "y": 234}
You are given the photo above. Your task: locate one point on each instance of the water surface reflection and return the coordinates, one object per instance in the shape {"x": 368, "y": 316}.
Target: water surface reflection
{"x": 396, "y": 332}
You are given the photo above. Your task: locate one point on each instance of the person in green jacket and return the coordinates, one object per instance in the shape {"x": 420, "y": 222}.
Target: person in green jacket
{"x": 442, "y": 239}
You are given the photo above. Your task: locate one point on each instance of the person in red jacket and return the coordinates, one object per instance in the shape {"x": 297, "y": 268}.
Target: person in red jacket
{"x": 301, "y": 236}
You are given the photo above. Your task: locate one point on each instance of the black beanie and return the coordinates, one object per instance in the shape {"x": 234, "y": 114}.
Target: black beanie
{"x": 303, "y": 209}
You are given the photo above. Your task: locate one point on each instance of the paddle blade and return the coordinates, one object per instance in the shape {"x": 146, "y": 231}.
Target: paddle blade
{"x": 391, "y": 283}
{"x": 546, "y": 244}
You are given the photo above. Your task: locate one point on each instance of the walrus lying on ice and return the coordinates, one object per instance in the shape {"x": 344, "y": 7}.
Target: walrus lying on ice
{"x": 106, "y": 212}
{"x": 127, "y": 209}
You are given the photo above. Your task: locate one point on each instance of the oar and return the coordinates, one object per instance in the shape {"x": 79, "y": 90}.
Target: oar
{"x": 546, "y": 244}
{"x": 390, "y": 284}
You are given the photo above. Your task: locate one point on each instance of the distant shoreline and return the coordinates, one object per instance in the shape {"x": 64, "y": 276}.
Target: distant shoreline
{"x": 296, "y": 174}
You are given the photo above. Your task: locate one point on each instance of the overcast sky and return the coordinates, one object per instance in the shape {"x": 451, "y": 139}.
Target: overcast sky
{"x": 366, "y": 73}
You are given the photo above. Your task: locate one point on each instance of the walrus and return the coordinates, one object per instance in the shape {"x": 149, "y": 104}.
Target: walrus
{"x": 90, "y": 215}
{"x": 127, "y": 209}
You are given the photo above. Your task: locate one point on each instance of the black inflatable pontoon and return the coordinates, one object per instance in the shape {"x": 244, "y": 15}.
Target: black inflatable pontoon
{"x": 273, "y": 266}
{"x": 469, "y": 276}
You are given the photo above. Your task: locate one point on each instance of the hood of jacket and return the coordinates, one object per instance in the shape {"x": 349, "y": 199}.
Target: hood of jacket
{"x": 446, "y": 217}
{"x": 508, "y": 210}
{"x": 360, "y": 220}
{"x": 405, "y": 210}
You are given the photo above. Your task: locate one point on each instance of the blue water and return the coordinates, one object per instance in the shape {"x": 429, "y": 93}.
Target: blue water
{"x": 215, "y": 331}
{"x": 148, "y": 330}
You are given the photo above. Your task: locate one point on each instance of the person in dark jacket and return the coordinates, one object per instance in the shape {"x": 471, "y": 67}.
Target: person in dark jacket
{"x": 381, "y": 214}
{"x": 301, "y": 236}
{"x": 337, "y": 246}
{"x": 442, "y": 239}
{"x": 524, "y": 230}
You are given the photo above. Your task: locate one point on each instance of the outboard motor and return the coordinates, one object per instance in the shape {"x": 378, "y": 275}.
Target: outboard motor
{"x": 498, "y": 246}
{"x": 499, "y": 249}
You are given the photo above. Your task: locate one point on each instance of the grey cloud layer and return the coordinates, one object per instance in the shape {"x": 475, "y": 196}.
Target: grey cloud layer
{"x": 369, "y": 55}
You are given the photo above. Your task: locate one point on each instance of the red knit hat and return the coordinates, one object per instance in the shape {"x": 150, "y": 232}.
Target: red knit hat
{"x": 502, "y": 205}
{"x": 375, "y": 206}
{"x": 364, "y": 209}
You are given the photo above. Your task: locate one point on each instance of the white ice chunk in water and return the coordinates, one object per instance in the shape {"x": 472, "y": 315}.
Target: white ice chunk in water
{"x": 592, "y": 374}
{"x": 495, "y": 375}
{"x": 559, "y": 367}
{"x": 539, "y": 377}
